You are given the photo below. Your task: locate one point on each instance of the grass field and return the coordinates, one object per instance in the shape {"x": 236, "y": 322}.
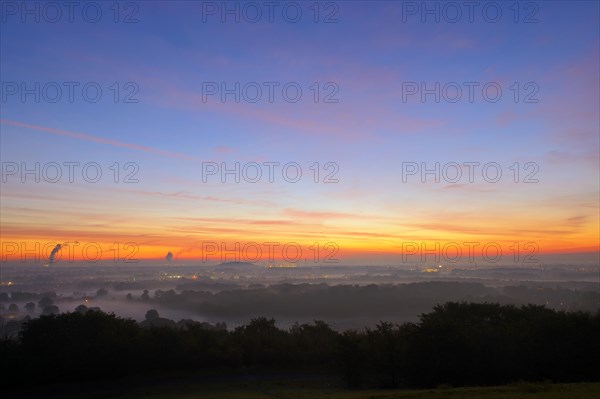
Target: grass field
{"x": 318, "y": 390}
{"x": 271, "y": 390}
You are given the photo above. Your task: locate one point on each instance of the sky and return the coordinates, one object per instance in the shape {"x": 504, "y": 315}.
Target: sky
{"x": 365, "y": 132}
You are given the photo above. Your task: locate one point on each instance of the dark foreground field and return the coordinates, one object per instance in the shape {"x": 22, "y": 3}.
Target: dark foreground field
{"x": 91, "y": 354}
{"x": 260, "y": 391}
{"x": 303, "y": 389}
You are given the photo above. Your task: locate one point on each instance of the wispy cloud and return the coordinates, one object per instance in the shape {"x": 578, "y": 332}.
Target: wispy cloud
{"x": 97, "y": 139}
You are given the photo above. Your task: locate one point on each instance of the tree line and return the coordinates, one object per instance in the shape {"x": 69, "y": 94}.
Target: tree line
{"x": 456, "y": 344}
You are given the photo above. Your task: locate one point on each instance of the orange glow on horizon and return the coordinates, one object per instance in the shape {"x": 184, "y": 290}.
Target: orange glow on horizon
{"x": 301, "y": 251}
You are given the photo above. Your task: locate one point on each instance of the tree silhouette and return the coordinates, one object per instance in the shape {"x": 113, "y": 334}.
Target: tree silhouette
{"x": 152, "y": 314}
{"x": 45, "y": 301}
{"x": 455, "y": 344}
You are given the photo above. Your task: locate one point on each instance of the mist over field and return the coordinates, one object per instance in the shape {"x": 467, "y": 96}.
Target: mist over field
{"x": 346, "y": 297}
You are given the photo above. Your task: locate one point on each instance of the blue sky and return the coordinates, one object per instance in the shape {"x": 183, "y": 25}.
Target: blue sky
{"x": 367, "y": 57}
